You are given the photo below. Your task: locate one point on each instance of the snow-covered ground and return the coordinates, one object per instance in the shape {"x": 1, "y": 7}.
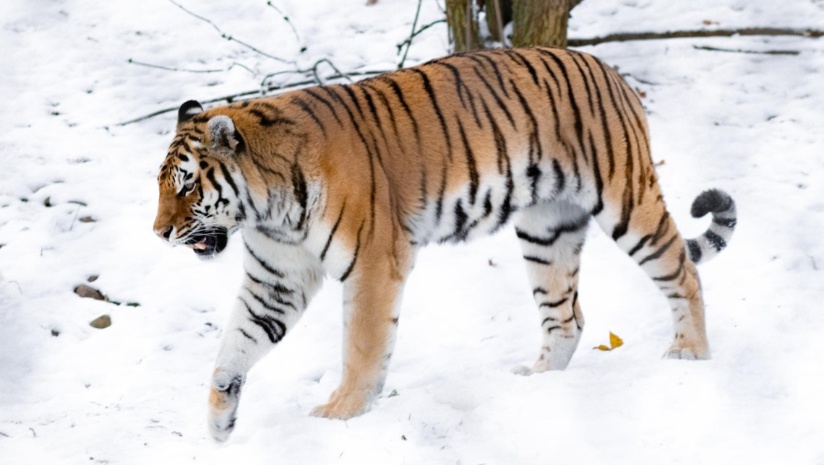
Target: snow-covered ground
{"x": 78, "y": 197}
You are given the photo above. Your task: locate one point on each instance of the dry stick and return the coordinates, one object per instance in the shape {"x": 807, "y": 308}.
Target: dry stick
{"x": 228, "y": 37}
{"x": 412, "y": 34}
{"x": 750, "y": 31}
{"x": 182, "y": 70}
{"x": 754, "y": 52}
{"x": 416, "y": 33}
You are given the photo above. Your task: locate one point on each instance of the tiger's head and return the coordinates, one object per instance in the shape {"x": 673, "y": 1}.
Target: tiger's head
{"x": 200, "y": 203}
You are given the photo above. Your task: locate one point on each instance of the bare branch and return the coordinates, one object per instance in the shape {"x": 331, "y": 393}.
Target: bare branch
{"x": 751, "y": 31}
{"x": 412, "y": 34}
{"x": 754, "y": 52}
{"x": 183, "y": 70}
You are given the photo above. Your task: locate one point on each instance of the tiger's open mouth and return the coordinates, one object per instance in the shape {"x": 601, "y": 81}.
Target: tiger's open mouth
{"x": 209, "y": 244}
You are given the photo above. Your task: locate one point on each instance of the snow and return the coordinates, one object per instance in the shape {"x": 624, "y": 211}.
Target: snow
{"x": 78, "y": 197}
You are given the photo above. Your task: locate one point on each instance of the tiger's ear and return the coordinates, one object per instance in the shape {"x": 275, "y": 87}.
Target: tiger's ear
{"x": 188, "y": 111}
{"x": 223, "y": 134}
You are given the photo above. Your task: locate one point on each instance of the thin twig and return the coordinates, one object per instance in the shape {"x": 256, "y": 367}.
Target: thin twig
{"x": 754, "y": 52}
{"x": 749, "y": 31}
{"x": 285, "y": 18}
{"x": 183, "y": 70}
{"x": 228, "y": 37}
{"x": 332, "y": 65}
{"x": 411, "y": 35}
{"x": 416, "y": 33}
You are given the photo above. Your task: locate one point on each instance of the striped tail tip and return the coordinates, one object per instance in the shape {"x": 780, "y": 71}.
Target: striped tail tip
{"x": 706, "y": 246}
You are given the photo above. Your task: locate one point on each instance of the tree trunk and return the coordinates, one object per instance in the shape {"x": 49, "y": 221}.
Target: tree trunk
{"x": 540, "y": 22}
{"x": 498, "y": 13}
{"x": 462, "y": 25}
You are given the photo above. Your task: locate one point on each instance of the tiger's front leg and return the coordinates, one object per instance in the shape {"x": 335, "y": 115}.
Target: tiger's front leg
{"x": 279, "y": 282}
{"x": 372, "y": 296}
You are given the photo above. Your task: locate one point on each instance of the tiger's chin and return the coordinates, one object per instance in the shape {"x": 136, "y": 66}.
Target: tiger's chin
{"x": 208, "y": 245}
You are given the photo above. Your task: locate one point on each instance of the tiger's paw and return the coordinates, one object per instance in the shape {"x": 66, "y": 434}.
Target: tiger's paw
{"x": 680, "y": 352}
{"x": 224, "y": 397}
{"x": 343, "y": 405}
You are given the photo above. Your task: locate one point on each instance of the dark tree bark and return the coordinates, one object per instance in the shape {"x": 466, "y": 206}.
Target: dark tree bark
{"x": 462, "y": 25}
{"x": 540, "y": 22}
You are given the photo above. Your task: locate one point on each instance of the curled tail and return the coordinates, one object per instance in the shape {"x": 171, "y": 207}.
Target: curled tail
{"x": 708, "y": 245}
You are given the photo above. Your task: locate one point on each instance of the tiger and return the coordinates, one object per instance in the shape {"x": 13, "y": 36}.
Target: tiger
{"x": 349, "y": 181}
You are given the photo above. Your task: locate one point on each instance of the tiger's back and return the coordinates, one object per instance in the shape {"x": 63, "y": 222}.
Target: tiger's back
{"x": 350, "y": 180}
{"x": 467, "y": 140}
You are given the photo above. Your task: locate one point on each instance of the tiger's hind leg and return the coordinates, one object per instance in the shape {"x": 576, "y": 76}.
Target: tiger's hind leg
{"x": 649, "y": 236}
{"x": 551, "y": 237}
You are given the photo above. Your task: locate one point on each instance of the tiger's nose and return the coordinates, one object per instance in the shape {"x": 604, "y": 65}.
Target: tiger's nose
{"x": 164, "y": 234}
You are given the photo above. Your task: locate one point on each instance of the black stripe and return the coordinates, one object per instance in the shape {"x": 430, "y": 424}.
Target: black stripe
{"x": 309, "y": 111}
{"x": 441, "y": 193}
{"x": 275, "y": 288}
{"x": 496, "y": 70}
{"x": 556, "y": 121}
{"x": 399, "y": 93}
{"x": 461, "y": 231}
{"x": 534, "y": 137}
{"x": 332, "y": 232}
{"x": 470, "y": 166}
{"x": 605, "y": 127}
{"x": 264, "y": 304}
{"x": 369, "y": 154}
{"x": 660, "y": 230}
{"x": 457, "y": 76}
{"x": 262, "y": 263}
{"x": 266, "y": 120}
{"x": 560, "y": 180}
{"x": 427, "y": 85}
{"x": 379, "y": 126}
{"x": 584, "y": 77}
{"x": 301, "y": 194}
{"x": 578, "y": 124}
{"x": 695, "y": 250}
{"x": 539, "y": 290}
{"x": 228, "y": 177}
{"x": 354, "y": 256}
{"x": 523, "y": 61}
{"x": 658, "y": 253}
{"x": 502, "y": 156}
{"x": 725, "y": 222}
{"x": 538, "y": 260}
{"x": 716, "y": 241}
{"x": 552, "y": 328}
{"x": 388, "y": 107}
{"x": 553, "y": 304}
{"x": 677, "y": 272}
{"x": 354, "y": 98}
{"x": 247, "y": 335}
{"x": 495, "y": 96}
{"x": 313, "y": 93}
{"x": 274, "y": 328}
{"x": 556, "y": 233}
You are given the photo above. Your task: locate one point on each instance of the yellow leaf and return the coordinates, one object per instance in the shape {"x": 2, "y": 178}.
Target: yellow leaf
{"x": 601, "y": 347}
{"x": 615, "y": 341}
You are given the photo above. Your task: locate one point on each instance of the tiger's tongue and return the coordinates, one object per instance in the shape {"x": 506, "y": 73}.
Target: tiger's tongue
{"x": 200, "y": 245}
